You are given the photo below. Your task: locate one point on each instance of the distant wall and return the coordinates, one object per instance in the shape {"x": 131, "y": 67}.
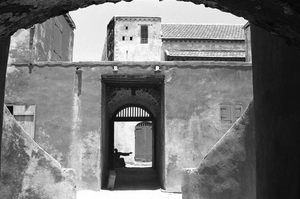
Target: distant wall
{"x": 125, "y": 138}
{"x": 134, "y": 50}
{"x": 27, "y": 171}
{"x": 49, "y": 41}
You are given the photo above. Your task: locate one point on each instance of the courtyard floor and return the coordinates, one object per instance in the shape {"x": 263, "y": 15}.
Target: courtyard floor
{"x": 134, "y": 182}
{"x": 128, "y": 194}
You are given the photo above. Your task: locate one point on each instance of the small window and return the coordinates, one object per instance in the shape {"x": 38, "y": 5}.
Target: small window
{"x": 230, "y": 113}
{"x": 237, "y": 112}
{"x": 123, "y": 38}
{"x": 131, "y": 38}
{"x": 25, "y": 116}
{"x": 126, "y": 27}
{"x": 225, "y": 112}
{"x": 144, "y": 34}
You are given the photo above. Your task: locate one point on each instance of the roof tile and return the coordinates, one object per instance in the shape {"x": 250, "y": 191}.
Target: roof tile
{"x": 202, "y": 31}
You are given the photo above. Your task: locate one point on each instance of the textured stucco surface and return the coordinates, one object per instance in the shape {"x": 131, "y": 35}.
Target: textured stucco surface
{"x": 228, "y": 169}
{"x": 279, "y": 17}
{"x": 69, "y": 113}
{"x": 27, "y": 170}
{"x": 193, "y": 124}
{"x": 39, "y": 42}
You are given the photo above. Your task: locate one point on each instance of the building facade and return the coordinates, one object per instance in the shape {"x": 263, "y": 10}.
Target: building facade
{"x": 133, "y": 39}
{"x": 147, "y": 39}
{"x": 191, "y": 106}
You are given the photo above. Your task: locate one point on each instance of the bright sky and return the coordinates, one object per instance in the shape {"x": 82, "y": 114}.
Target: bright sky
{"x": 91, "y": 22}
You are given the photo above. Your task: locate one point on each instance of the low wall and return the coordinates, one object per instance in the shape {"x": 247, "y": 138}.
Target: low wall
{"x": 27, "y": 171}
{"x": 228, "y": 170}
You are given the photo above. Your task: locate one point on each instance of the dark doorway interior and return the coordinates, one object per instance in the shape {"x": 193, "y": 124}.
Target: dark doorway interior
{"x": 140, "y": 99}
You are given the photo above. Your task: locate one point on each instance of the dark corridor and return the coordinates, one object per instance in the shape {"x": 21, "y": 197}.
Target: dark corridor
{"x": 133, "y": 92}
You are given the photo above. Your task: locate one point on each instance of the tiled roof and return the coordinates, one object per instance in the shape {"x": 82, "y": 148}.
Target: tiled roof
{"x": 202, "y": 31}
{"x": 223, "y": 54}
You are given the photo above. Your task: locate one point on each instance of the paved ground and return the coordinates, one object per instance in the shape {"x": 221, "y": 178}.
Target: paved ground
{"x": 128, "y": 194}
{"x": 139, "y": 181}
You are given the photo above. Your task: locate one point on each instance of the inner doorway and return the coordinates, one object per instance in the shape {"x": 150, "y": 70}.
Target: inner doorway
{"x": 134, "y": 102}
{"x": 135, "y": 140}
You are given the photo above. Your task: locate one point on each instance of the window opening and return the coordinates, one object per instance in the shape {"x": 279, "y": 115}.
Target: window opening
{"x": 230, "y": 113}
{"x": 144, "y": 34}
{"x": 25, "y": 116}
{"x": 123, "y": 38}
{"x": 133, "y": 112}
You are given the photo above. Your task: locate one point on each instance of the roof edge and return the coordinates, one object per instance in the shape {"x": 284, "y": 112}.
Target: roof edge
{"x": 70, "y": 21}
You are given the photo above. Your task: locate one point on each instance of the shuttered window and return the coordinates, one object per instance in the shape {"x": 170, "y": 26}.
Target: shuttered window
{"x": 25, "y": 115}
{"x": 237, "y": 111}
{"x": 230, "y": 113}
{"x": 144, "y": 34}
{"x": 225, "y": 113}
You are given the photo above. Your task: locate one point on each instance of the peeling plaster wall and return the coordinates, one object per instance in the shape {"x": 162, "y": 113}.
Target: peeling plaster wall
{"x": 27, "y": 171}
{"x": 193, "y": 122}
{"x": 192, "y": 98}
{"x": 39, "y": 42}
{"x": 228, "y": 171}
{"x": 19, "y": 50}
{"x": 47, "y": 38}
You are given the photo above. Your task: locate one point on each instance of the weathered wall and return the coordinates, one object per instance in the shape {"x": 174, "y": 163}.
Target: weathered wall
{"x": 134, "y": 50}
{"x": 60, "y": 118}
{"x": 50, "y": 36}
{"x": 69, "y": 113}
{"x": 193, "y": 122}
{"x": 27, "y": 171}
{"x": 276, "y": 98}
{"x": 228, "y": 169}
{"x": 42, "y": 41}
{"x": 279, "y": 17}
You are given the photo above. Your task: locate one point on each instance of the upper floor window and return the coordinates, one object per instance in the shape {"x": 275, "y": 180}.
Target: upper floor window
{"x": 144, "y": 34}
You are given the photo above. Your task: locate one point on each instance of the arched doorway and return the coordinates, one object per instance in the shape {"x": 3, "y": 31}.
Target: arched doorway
{"x": 133, "y": 98}
{"x": 133, "y": 133}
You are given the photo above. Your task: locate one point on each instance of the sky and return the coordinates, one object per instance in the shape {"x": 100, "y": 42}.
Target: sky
{"x": 91, "y": 22}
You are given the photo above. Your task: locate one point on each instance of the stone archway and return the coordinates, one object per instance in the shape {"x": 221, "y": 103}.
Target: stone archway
{"x": 277, "y": 17}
